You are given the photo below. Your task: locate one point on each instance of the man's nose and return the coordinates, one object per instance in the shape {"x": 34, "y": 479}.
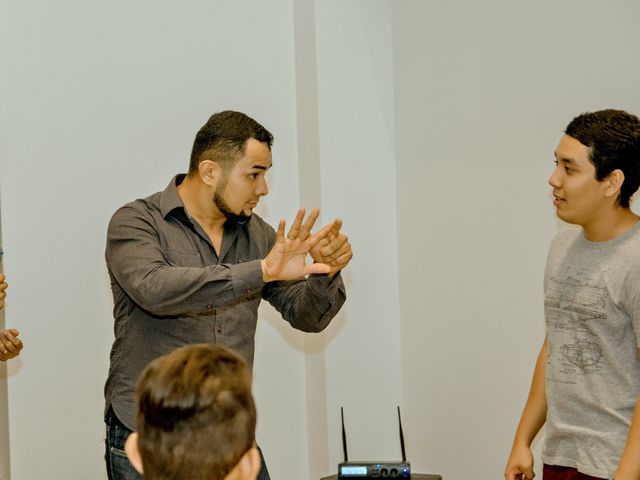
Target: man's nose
{"x": 554, "y": 179}
{"x": 262, "y": 188}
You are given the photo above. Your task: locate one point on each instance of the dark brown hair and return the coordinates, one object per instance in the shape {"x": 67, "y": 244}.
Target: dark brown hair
{"x": 613, "y": 137}
{"x": 224, "y": 137}
{"x": 196, "y": 416}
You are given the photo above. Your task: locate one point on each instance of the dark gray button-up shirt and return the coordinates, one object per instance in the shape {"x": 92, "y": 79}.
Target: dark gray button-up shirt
{"x": 171, "y": 289}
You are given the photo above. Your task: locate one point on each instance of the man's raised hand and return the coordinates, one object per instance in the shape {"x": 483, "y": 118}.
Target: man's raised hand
{"x": 286, "y": 260}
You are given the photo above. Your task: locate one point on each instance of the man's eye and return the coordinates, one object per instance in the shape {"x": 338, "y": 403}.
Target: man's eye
{"x": 253, "y": 176}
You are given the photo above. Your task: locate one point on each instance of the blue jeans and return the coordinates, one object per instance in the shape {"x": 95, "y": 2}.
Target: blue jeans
{"x": 118, "y": 465}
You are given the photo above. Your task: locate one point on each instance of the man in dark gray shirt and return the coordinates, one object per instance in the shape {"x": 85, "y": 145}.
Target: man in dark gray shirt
{"x": 191, "y": 264}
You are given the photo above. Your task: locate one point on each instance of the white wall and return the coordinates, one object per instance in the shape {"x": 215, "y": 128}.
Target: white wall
{"x": 4, "y": 404}
{"x": 355, "y": 97}
{"x": 100, "y": 103}
{"x": 442, "y": 189}
{"x": 483, "y": 92}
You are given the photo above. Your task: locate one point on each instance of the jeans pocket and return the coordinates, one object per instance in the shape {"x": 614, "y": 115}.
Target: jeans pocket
{"x": 118, "y": 452}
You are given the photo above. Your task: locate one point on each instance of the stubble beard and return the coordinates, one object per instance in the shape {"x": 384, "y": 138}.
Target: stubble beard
{"x": 222, "y": 205}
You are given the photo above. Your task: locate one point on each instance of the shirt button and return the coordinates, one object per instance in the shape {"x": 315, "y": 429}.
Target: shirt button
{"x": 219, "y": 329}
{"x": 248, "y": 291}
{"x": 210, "y": 307}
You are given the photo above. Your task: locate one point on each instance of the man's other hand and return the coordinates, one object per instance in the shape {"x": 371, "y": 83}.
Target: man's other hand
{"x": 520, "y": 465}
{"x": 10, "y": 344}
{"x": 334, "y": 249}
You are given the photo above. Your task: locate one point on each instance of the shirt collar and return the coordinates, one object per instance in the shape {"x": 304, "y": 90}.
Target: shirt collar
{"x": 170, "y": 202}
{"x": 169, "y": 198}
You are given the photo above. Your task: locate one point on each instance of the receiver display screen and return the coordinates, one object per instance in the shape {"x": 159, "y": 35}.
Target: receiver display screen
{"x": 353, "y": 470}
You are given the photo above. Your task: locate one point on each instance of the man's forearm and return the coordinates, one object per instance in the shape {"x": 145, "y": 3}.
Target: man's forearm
{"x": 190, "y": 290}
{"x": 535, "y": 410}
{"x": 308, "y": 305}
{"x": 629, "y": 467}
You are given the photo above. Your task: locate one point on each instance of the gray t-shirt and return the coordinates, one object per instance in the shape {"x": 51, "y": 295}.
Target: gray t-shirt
{"x": 592, "y": 310}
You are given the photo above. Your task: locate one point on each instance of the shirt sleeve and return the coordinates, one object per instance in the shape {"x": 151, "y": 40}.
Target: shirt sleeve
{"x": 137, "y": 263}
{"x": 310, "y": 304}
{"x": 635, "y": 313}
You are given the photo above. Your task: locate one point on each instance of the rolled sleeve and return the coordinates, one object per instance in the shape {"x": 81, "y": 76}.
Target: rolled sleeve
{"x": 308, "y": 305}
{"x": 247, "y": 278}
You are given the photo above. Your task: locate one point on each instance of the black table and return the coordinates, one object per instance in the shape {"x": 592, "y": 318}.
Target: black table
{"x": 414, "y": 476}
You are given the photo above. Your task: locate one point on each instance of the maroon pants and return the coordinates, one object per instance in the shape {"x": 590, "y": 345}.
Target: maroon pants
{"x": 554, "y": 472}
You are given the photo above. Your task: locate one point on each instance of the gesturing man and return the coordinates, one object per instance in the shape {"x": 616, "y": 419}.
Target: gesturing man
{"x": 586, "y": 382}
{"x": 191, "y": 264}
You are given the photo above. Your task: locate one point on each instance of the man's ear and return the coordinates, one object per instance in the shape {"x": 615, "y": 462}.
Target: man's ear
{"x": 248, "y": 467}
{"x": 210, "y": 172}
{"x": 133, "y": 452}
{"x": 614, "y": 183}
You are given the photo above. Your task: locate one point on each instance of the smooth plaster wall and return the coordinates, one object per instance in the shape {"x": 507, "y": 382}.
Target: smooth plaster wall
{"x": 100, "y": 106}
{"x": 483, "y": 93}
{"x": 100, "y": 103}
{"x": 357, "y": 158}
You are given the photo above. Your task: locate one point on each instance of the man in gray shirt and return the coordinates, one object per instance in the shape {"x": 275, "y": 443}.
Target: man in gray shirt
{"x": 191, "y": 264}
{"x": 586, "y": 382}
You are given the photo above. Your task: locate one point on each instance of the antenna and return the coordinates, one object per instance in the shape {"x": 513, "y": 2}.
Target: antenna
{"x": 404, "y": 456}
{"x": 344, "y": 437}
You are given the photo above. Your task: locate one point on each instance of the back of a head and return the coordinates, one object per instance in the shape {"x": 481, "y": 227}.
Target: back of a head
{"x": 614, "y": 139}
{"x": 196, "y": 415}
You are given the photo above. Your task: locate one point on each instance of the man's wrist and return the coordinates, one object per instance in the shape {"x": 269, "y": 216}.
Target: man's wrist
{"x": 265, "y": 276}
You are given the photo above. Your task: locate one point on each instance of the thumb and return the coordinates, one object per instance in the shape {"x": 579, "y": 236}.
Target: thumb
{"x": 335, "y": 228}
{"x": 320, "y": 235}
{"x": 316, "y": 268}
{"x": 528, "y": 473}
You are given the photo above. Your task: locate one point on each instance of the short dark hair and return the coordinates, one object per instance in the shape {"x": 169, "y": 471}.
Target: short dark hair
{"x": 613, "y": 137}
{"x": 224, "y": 136}
{"x": 196, "y": 415}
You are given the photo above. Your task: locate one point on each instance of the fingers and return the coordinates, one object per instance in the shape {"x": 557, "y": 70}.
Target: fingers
{"x": 340, "y": 243}
{"x": 12, "y": 335}
{"x": 342, "y": 261}
{"x": 10, "y": 344}
{"x": 519, "y": 472}
{"x": 514, "y": 475}
{"x": 294, "y": 231}
{"x": 316, "y": 268}
{"x": 335, "y": 229}
{"x": 300, "y": 231}
{"x": 308, "y": 225}
{"x": 337, "y": 251}
{"x": 3, "y": 287}
{"x": 314, "y": 239}
{"x": 280, "y": 231}
{"x": 343, "y": 254}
